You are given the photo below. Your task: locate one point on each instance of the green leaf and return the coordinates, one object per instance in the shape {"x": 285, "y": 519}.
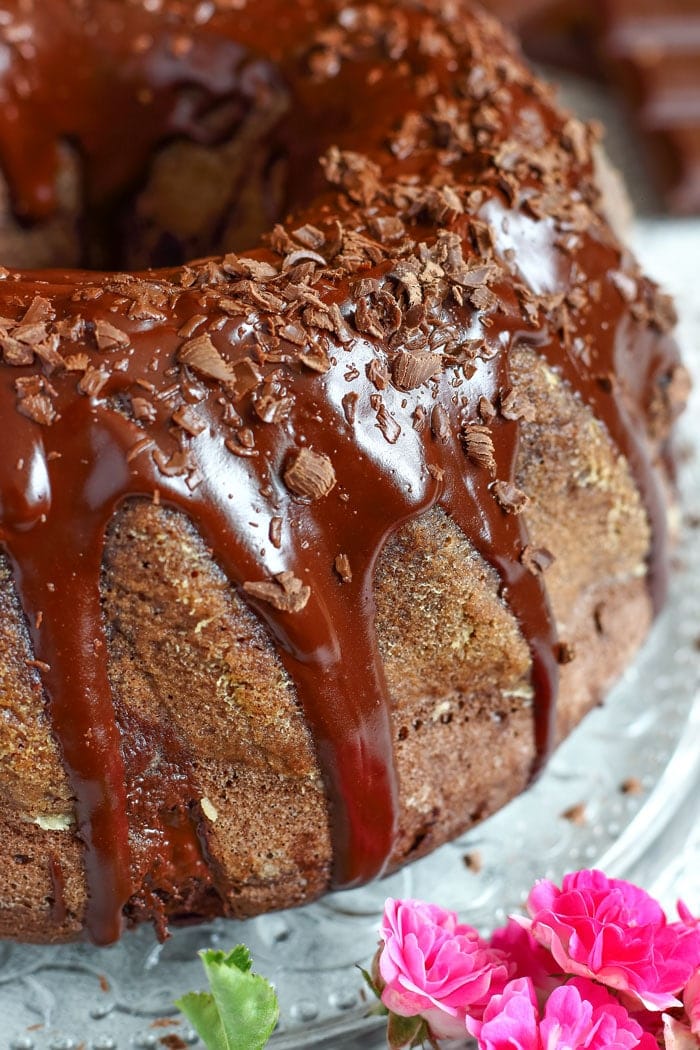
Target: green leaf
{"x": 369, "y": 982}
{"x": 200, "y": 1010}
{"x": 405, "y": 1032}
{"x": 241, "y": 1010}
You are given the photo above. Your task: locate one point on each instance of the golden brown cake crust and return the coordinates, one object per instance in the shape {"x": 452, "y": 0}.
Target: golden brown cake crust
{"x": 301, "y": 543}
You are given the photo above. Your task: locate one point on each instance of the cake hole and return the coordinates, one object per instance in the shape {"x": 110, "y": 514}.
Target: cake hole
{"x": 203, "y": 168}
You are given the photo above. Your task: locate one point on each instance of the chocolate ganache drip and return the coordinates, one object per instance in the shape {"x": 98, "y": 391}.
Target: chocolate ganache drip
{"x": 302, "y": 401}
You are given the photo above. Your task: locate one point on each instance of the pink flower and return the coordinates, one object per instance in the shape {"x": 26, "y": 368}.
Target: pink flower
{"x": 582, "y": 1013}
{"x": 436, "y": 968}
{"x": 510, "y": 1020}
{"x": 677, "y": 1036}
{"x": 614, "y": 932}
{"x": 527, "y": 957}
{"x": 578, "y": 1016}
{"x": 691, "y": 1002}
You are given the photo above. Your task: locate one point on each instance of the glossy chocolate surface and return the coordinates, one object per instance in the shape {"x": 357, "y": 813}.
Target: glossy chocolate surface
{"x": 301, "y": 401}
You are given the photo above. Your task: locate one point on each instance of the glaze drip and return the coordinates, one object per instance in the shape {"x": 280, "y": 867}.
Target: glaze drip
{"x": 371, "y": 338}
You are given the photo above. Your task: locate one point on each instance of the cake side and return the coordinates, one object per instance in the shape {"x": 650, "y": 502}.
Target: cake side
{"x": 197, "y": 682}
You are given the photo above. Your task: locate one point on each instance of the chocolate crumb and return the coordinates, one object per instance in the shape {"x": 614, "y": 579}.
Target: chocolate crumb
{"x": 632, "y": 786}
{"x": 173, "y": 1042}
{"x": 473, "y": 861}
{"x": 565, "y": 653}
{"x": 576, "y": 814}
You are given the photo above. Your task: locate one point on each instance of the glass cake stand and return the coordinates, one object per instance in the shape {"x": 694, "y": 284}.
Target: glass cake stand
{"x": 618, "y": 794}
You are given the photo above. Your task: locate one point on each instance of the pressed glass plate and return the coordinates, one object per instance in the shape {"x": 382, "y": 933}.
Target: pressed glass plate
{"x": 627, "y": 778}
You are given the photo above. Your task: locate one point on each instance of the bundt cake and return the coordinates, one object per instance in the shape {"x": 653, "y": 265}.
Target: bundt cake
{"x": 302, "y": 540}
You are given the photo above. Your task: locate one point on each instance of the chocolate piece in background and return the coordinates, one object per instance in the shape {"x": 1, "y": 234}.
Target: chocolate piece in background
{"x": 650, "y": 50}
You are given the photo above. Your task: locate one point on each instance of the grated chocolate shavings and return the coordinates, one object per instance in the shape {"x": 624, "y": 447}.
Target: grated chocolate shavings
{"x": 191, "y": 325}
{"x": 34, "y": 395}
{"x": 478, "y": 444}
{"x": 509, "y": 497}
{"x": 377, "y": 374}
{"x": 440, "y": 423}
{"x": 93, "y": 381}
{"x": 143, "y": 409}
{"x": 275, "y": 532}
{"x": 420, "y": 419}
{"x": 486, "y": 410}
{"x": 413, "y": 369}
{"x": 516, "y": 405}
{"x": 349, "y": 403}
{"x": 16, "y": 353}
{"x": 181, "y": 462}
{"x": 536, "y": 559}
{"x": 273, "y": 409}
{"x": 39, "y": 310}
{"x": 246, "y": 376}
{"x": 189, "y": 420}
{"x": 201, "y": 356}
{"x": 310, "y": 236}
{"x": 108, "y": 337}
{"x": 286, "y": 592}
{"x": 342, "y": 567}
{"x": 310, "y": 474}
{"x": 390, "y": 428}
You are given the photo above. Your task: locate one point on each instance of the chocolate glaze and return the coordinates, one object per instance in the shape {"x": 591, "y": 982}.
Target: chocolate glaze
{"x": 428, "y": 238}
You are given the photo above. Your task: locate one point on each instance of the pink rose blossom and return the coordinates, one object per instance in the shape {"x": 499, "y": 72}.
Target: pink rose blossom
{"x": 677, "y": 1036}
{"x": 614, "y": 932}
{"x": 584, "y": 1014}
{"x": 510, "y": 1020}
{"x": 436, "y": 968}
{"x": 691, "y": 1002}
{"x": 577, "y": 1016}
{"x": 527, "y": 957}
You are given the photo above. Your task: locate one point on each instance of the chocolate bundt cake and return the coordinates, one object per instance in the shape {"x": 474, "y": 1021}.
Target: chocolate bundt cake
{"x": 312, "y": 548}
